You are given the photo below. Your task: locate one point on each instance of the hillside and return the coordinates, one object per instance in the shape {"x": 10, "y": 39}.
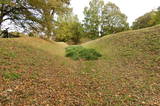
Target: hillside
{"x": 139, "y": 47}
{"x": 35, "y": 71}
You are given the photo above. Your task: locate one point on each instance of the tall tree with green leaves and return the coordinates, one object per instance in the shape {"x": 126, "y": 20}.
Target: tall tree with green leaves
{"x": 69, "y": 28}
{"x": 33, "y": 14}
{"x": 48, "y": 9}
{"x": 92, "y": 19}
{"x": 11, "y": 10}
{"x": 101, "y": 19}
{"x": 113, "y": 20}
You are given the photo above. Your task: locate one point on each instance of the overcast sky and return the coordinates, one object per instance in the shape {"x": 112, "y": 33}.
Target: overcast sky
{"x": 132, "y": 8}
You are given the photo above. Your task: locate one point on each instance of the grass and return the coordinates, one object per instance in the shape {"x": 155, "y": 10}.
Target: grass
{"x": 140, "y": 46}
{"x": 127, "y": 74}
{"x": 11, "y": 76}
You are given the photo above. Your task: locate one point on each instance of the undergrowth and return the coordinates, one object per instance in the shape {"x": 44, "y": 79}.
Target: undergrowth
{"x": 79, "y": 52}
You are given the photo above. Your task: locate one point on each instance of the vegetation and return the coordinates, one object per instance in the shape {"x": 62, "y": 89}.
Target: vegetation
{"x": 147, "y": 20}
{"x": 126, "y": 74}
{"x": 144, "y": 21}
{"x": 79, "y": 52}
{"x": 102, "y": 19}
{"x": 157, "y": 16}
{"x": 11, "y": 76}
{"x": 113, "y": 20}
{"x": 119, "y": 69}
{"x": 92, "y": 19}
{"x": 69, "y": 29}
{"x": 36, "y": 15}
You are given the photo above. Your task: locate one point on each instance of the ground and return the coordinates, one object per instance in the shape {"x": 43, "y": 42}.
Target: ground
{"x": 36, "y": 72}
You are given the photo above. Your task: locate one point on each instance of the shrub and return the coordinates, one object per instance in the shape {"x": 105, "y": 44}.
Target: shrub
{"x": 79, "y": 52}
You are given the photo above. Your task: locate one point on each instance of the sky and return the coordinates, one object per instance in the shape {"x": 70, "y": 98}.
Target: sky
{"x": 131, "y": 8}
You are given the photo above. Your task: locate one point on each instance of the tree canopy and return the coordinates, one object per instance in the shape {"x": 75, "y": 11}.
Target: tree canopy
{"x": 113, "y": 20}
{"x": 69, "y": 28}
{"x": 101, "y": 19}
{"x": 33, "y": 14}
{"x": 92, "y": 20}
{"x": 147, "y": 20}
{"x": 144, "y": 21}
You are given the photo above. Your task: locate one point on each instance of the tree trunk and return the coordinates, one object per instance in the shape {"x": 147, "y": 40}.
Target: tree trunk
{"x": 1, "y": 20}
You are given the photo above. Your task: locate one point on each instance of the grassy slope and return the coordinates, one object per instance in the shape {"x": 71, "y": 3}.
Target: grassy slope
{"x": 25, "y": 65}
{"x": 127, "y": 74}
{"x": 132, "y": 60}
{"x": 140, "y": 47}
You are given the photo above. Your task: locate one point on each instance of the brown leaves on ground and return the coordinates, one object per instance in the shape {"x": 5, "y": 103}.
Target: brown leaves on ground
{"x": 47, "y": 78}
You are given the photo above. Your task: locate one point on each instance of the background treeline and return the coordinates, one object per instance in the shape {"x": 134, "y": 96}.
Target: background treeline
{"x": 147, "y": 20}
{"x": 53, "y": 19}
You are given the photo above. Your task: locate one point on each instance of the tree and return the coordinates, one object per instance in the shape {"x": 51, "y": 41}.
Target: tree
{"x": 32, "y": 14}
{"x": 11, "y": 10}
{"x": 92, "y": 21}
{"x": 113, "y": 20}
{"x": 157, "y": 16}
{"x": 101, "y": 19}
{"x": 147, "y": 20}
{"x": 69, "y": 28}
{"x": 77, "y": 32}
{"x": 48, "y": 9}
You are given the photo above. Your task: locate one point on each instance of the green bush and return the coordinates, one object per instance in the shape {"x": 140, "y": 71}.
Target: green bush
{"x": 79, "y": 52}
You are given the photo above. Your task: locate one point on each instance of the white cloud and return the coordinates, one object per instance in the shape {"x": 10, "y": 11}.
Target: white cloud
{"x": 132, "y": 8}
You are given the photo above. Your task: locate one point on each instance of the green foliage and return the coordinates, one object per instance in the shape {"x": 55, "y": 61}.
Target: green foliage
{"x": 63, "y": 31}
{"x": 157, "y": 16}
{"x": 11, "y": 75}
{"x": 47, "y": 9}
{"x": 92, "y": 21}
{"x": 77, "y": 32}
{"x": 79, "y": 52}
{"x": 37, "y": 15}
{"x": 147, "y": 20}
{"x": 102, "y": 19}
{"x": 113, "y": 20}
{"x": 69, "y": 28}
{"x": 15, "y": 11}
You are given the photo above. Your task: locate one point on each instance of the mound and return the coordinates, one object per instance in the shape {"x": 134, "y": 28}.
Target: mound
{"x": 35, "y": 72}
{"x": 140, "y": 48}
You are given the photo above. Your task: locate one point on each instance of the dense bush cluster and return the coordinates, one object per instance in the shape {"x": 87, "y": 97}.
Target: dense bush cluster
{"x": 79, "y": 52}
